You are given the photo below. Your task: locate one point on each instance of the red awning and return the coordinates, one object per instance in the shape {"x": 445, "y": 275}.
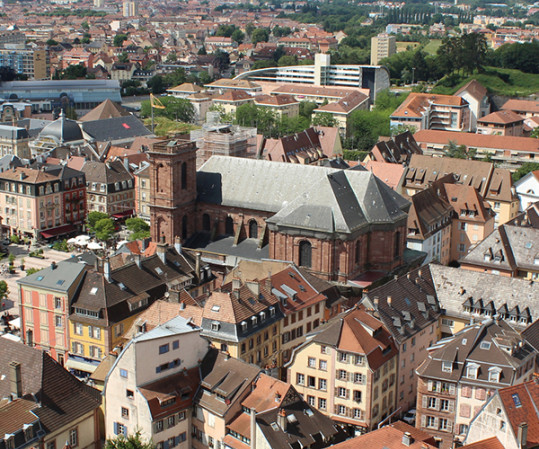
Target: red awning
{"x": 125, "y": 213}
{"x": 60, "y": 230}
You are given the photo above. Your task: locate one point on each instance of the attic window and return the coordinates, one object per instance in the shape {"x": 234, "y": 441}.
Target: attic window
{"x": 216, "y": 308}
{"x": 60, "y": 282}
{"x": 485, "y": 345}
{"x": 122, "y": 286}
{"x": 272, "y": 311}
{"x": 447, "y": 367}
{"x": 158, "y": 270}
{"x": 215, "y": 326}
{"x": 254, "y": 320}
{"x": 302, "y": 288}
{"x": 93, "y": 291}
{"x": 39, "y": 278}
{"x": 516, "y": 400}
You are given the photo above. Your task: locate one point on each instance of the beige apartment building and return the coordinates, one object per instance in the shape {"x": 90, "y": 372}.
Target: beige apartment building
{"x": 34, "y": 63}
{"x": 14, "y": 141}
{"x": 382, "y": 46}
{"x": 348, "y": 370}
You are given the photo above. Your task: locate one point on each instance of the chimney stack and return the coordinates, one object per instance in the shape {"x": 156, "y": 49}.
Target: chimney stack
{"x": 53, "y": 265}
{"x": 106, "y": 269}
{"x": 178, "y": 244}
{"x": 281, "y": 419}
{"x": 198, "y": 266}
{"x": 522, "y": 438}
{"x": 137, "y": 258}
{"x": 15, "y": 379}
{"x": 389, "y": 301}
{"x": 407, "y": 439}
{"x": 161, "y": 251}
{"x": 253, "y": 428}
{"x": 236, "y": 284}
{"x": 254, "y": 286}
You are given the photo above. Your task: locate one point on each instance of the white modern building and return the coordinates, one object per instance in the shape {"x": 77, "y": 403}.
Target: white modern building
{"x": 323, "y": 73}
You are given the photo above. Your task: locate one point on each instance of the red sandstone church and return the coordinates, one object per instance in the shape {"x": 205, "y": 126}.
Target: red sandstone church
{"x": 338, "y": 223}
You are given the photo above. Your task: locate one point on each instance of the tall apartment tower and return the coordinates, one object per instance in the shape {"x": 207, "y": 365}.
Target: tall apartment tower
{"x": 382, "y": 46}
{"x": 173, "y": 189}
{"x": 130, "y": 8}
{"x": 99, "y": 3}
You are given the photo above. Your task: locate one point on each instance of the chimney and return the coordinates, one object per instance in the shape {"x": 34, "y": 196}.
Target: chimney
{"x": 197, "y": 266}
{"x": 389, "y": 301}
{"x": 106, "y": 269}
{"x": 178, "y": 244}
{"x": 53, "y": 265}
{"x": 144, "y": 244}
{"x": 15, "y": 379}
{"x": 522, "y": 437}
{"x": 253, "y": 428}
{"x": 182, "y": 305}
{"x": 137, "y": 258}
{"x": 254, "y": 286}
{"x": 419, "y": 273}
{"x": 161, "y": 251}
{"x": 236, "y": 284}
{"x": 407, "y": 439}
{"x": 281, "y": 419}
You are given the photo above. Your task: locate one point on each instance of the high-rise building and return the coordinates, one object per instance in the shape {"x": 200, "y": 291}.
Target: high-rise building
{"x": 382, "y": 46}
{"x": 34, "y": 63}
{"x": 130, "y": 8}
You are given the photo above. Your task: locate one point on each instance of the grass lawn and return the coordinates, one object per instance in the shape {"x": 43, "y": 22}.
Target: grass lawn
{"x": 432, "y": 47}
{"x": 165, "y": 126}
{"x": 498, "y": 81}
{"x": 403, "y": 46}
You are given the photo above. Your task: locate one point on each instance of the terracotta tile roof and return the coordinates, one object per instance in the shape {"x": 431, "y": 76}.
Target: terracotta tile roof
{"x": 519, "y": 402}
{"x": 501, "y": 118}
{"x": 390, "y": 174}
{"x": 474, "y": 88}
{"x": 489, "y": 443}
{"x": 416, "y": 103}
{"x": 522, "y": 105}
{"x": 107, "y": 109}
{"x": 386, "y": 437}
{"x": 268, "y": 393}
{"x": 28, "y": 175}
{"x": 346, "y": 104}
{"x": 275, "y": 100}
{"x": 180, "y": 388}
{"x": 234, "y": 95}
{"x": 467, "y": 198}
{"x": 233, "y": 83}
{"x": 297, "y": 89}
{"x": 14, "y": 415}
{"x": 186, "y": 87}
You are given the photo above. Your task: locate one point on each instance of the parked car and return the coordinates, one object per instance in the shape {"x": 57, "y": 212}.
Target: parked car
{"x": 409, "y": 416}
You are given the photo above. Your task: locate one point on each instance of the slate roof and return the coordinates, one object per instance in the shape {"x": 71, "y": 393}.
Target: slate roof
{"x": 455, "y": 286}
{"x": 226, "y": 376}
{"x": 316, "y": 198}
{"x": 62, "y": 398}
{"x": 9, "y": 161}
{"x": 305, "y": 427}
{"x": 509, "y": 247}
{"x": 116, "y": 129}
{"x": 466, "y": 346}
{"x": 428, "y": 214}
{"x": 60, "y": 278}
{"x": 106, "y": 172}
{"x": 406, "y": 305}
{"x": 13, "y": 132}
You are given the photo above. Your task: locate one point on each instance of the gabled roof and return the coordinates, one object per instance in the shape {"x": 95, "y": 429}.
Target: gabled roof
{"x": 521, "y": 403}
{"x": 474, "y": 88}
{"x": 406, "y": 305}
{"x": 106, "y": 172}
{"x": 234, "y": 95}
{"x": 345, "y": 105}
{"x": 319, "y": 198}
{"x": 107, "y": 109}
{"x": 61, "y": 397}
{"x": 522, "y": 105}
{"x": 417, "y": 103}
{"x": 500, "y": 118}
{"x": 116, "y": 128}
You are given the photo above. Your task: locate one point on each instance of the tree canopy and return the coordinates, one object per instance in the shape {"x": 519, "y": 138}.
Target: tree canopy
{"x": 93, "y": 218}
{"x": 133, "y": 441}
{"x": 104, "y": 229}
{"x": 139, "y": 228}
{"x": 178, "y": 109}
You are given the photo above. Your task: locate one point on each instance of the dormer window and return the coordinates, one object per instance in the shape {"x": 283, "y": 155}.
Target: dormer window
{"x": 215, "y": 326}
{"x": 472, "y": 370}
{"x": 262, "y": 316}
{"x": 272, "y": 311}
{"x": 244, "y": 326}
{"x": 494, "y": 374}
{"x": 447, "y": 367}
{"x": 254, "y": 320}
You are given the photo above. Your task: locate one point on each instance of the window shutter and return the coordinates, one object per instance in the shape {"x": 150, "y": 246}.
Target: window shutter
{"x": 124, "y": 428}
{"x": 436, "y": 423}
{"x": 452, "y": 389}
{"x": 451, "y": 406}
{"x": 449, "y": 426}
{"x": 424, "y": 401}
{"x": 351, "y": 377}
{"x": 337, "y": 374}
{"x": 165, "y": 444}
{"x": 429, "y": 385}
{"x": 347, "y": 393}
{"x": 423, "y": 421}
{"x": 176, "y": 440}
{"x": 336, "y": 409}
{"x": 437, "y": 404}
{"x": 336, "y": 391}
{"x": 115, "y": 428}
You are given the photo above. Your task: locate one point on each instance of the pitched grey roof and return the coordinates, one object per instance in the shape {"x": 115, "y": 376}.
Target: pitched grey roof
{"x": 456, "y": 286}
{"x": 319, "y": 198}
{"x": 116, "y": 129}
{"x": 60, "y": 278}
{"x": 13, "y": 132}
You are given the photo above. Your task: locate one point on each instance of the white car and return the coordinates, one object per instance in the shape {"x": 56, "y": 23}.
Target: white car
{"x": 409, "y": 416}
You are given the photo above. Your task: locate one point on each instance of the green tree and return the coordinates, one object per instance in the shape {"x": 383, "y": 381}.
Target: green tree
{"x": 32, "y": 271}
{"x": 93, "y": 218}
{"x": 306, "y": 108}
{"x": 204, "y": 78}
{"x": 526, "y": 168}
{"x": 259, "y": 35}
{"x": 238, "y": 36}
{"x": 123, "y": 58}
{"x": 73, "y": 72}
{"x": 139, "y": 228}
{"x": 287, "y": 60}
{"x": 132, "y": 441}
{"x": 172, "y": 57}
{"x": 85, "y": 26}
{"x": 535, "y": 133}
{"x": 104, "y": 229}
{"x": 52, "y": 42}
{"x": 324, "y": 119}
{"x": 178, "y": 109}
{"x": 459, "y": 151}
{"x": 4, "y": 290}
{"x": 156, "y": 84}
{"x": 202, "y": 51}
{"x": 249, "y": 28}
{"x": 119, "y": 39}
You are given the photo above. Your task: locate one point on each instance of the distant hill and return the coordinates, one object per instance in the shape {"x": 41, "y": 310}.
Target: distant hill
{"x": 497, "y": 80}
